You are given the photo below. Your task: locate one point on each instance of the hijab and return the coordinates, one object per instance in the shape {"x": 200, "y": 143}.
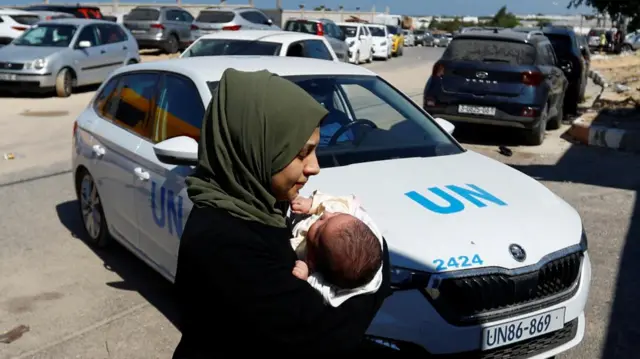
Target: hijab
{"x": 256, "y": 124}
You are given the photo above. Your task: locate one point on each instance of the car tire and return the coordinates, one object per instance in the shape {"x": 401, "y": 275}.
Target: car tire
{"x": 370, "y": 59}
{"x": 357, "y": 59}
{"x": 131, "y": 62}
{"x": 172, "y": 46}
{"x": 64, "y": 83}
{"x": 556, "y": 122}
{"x": 90, "y": 205}
{"x": 535, "y": 136}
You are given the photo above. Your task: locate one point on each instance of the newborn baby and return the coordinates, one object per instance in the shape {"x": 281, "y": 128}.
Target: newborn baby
{"x": 338, "y": 246}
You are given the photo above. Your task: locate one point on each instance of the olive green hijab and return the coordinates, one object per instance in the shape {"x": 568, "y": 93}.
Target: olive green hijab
{"x": 255, "y": 125}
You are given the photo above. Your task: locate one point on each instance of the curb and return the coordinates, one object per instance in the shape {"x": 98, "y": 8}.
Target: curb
{"x": 608, "y": 137}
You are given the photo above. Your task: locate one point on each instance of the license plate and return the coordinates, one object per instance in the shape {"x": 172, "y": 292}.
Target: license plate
{"x": 8, "y": 77}
{"x": 522, "y": 329}
{"x": 477, "y": 110}
{"x": 138, "y": 31}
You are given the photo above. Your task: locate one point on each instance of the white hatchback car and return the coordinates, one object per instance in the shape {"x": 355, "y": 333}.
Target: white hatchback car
{"x": 473, "y": 269}
{"x": 263, "y": 43}
{"x": 382, "y": 41}
{"x": 359, "y": 40}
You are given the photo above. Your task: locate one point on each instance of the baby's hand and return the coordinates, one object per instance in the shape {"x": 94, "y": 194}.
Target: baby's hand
{"x": 301, "y": 205}
{"x": 301, "y": 270}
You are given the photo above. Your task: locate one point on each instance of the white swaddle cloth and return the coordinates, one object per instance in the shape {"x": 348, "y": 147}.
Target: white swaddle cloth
{"x": 334, "y": 295}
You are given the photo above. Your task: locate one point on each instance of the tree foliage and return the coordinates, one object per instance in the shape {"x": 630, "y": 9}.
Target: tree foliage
{"x": 502, "y": 18}
{"x": 612, "y": 7}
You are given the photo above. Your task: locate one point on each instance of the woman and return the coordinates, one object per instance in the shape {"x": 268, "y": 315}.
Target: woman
{"x": 234, "y": 279}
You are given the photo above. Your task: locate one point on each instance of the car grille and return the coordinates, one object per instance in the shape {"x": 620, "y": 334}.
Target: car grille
{"x": 11, "y": 66}
{"x": 478, "y": 299}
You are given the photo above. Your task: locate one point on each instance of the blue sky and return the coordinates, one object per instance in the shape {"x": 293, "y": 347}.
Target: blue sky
{"x": 403, "y": 7}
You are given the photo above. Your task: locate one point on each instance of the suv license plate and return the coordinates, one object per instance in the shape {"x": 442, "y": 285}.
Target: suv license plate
{"x": 522, "y": 329}
{"x": 477, "y": 110}
{"x": 8, "y": 77}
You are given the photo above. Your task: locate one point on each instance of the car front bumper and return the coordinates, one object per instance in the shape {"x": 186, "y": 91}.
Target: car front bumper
{"x": 21, "y": 81}
{"x": 407, "y": 319}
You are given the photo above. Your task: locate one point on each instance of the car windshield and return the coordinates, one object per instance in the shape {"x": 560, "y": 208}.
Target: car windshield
{"x": 392, "y": 29}
{"x": 47, "y": 35}
{"x": 218, "y": 47}
{"x": 377, "y": 31}
{"x": 349, "y": 31}
{"x": 215, "y": 17}
{"x": 142, "y": 14}
{"x": 369, "y": 120}
{"x": 561, "y": 44}
{"x": 418, "y": 32}
{"x": 490, "y": 50}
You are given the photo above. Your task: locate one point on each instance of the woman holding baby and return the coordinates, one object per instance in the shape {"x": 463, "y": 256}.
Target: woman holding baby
{"x": 241, "y": 285}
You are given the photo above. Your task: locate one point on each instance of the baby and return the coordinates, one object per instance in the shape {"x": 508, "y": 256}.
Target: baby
{"x": 338, "y": 246}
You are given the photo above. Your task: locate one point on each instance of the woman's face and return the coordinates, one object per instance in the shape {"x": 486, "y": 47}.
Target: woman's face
{"x": 286, "y": 184}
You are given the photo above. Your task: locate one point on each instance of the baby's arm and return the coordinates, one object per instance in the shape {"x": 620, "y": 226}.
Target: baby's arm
{"x": 301, "y": 205}
{"x": 301, "y": 270}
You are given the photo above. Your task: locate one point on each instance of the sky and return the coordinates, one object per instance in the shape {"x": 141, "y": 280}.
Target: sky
{"x": 400, "y": 7}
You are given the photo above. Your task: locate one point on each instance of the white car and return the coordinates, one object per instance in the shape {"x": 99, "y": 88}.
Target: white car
{"x": 13, "y": 23}
{"x": 262, "y": 42}
{"x": 359, "y": 40}
{"x": 382, "y": 43}
{"x": 485, "y": 260}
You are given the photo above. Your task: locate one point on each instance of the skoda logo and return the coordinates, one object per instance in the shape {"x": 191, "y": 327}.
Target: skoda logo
{"x": 482, "y": 75}
{"x": 517, "y": 252}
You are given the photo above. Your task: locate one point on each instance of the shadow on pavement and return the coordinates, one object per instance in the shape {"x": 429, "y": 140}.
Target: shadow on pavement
{"x": 605, "y": 168}
{"x": 136, "y": 275}
{"x": 46, "y": 94}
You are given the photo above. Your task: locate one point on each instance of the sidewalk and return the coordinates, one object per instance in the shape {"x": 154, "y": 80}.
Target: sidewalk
{"x": 612, "y": 119}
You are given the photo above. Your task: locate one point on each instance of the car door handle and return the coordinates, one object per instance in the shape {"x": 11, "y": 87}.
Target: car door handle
{"x": 142, "y": 174}
{"x": 103, "y": 51}
{"x": 125, "y": 48}
{"x": 98, "y": 150}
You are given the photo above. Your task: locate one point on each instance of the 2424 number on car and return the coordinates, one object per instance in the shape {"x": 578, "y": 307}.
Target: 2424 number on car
{"x": 522, "y": 329}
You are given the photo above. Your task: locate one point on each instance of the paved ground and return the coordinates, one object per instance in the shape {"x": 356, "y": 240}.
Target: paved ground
{"x": 81, "y": 303}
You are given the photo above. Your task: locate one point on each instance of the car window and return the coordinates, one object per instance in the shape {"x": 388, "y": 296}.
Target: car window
{"x": 89, "y": 33}
{"x": 349, "y": 30}
{"x": 25, "y": 19}
{"x": 186, "y": 16}
{"x": 317, "y": 50}
{"x": 215, "y": 17}
{"x": 130, "y": 105}
{"x": 377, "y": 31}
{"x": 179, "y": 110}
{"x": 562, "y": 44}
{"x": 307, "y": 27}
{"x": 143, "y": 14}
{"x": 105, "y": 102}
{"x": 47, "y": 35}
{"x": 111, "y": 34}
{"x": 217, "y": 47}
{"x": 490, "y": 50}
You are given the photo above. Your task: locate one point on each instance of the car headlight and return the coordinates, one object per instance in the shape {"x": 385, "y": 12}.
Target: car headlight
{"x": 38, "y": 64}
{"x": 407, "y": 279}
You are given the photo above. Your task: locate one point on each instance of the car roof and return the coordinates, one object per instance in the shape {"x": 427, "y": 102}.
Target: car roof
{"x": 350, "y": 23}
{"x": 263, "y": 35}
{"x": 156, "y": 7}
{"x": 205, "y": 69}
{"x": 376, "y": 25}
{"x": 228, "y": 8}
{"x": 6, "y": 11}
{"x": 505, "y": 35}
{"x": 63, "y": 6}
{"x": 76, "y": 21}
{"x": 559, "y": 30}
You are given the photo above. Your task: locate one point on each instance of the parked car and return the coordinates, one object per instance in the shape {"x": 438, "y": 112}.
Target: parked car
{"x": 322, "y": 27}
{"x": 409, "y": 38}
{"x": 262, "y": 43}
{"x": 215, "y": 19}
{"x": 397, "y": 40}
{"x": 441, "y": 40}
{"x": 359, "y": 40}
{"x": 572, "y": 61}
{"x": 631, "y": 43}
{"x": 423, "y": 37}
{"x": 79, "y": 11}
{"x": 167, "y": 28}
{"x": 500, "y": 284}
{"x": 594, "y": 37}
{"x": 504, "y": 78}
{"x": 50, "y": 15}
{"x": 382, "y": 46}
{"x": 62, "y": 54}
{"x": 13, "y": 23}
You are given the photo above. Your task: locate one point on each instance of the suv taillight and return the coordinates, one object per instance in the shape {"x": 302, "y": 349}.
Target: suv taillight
{"x": 194, "y": 27}
{"x": 532, "y": 78}
{"x": 438, "y": 70}
{"x": 320, "y": 30}
{"x": 232, "y": 28}
{"x": 157, "y": 26}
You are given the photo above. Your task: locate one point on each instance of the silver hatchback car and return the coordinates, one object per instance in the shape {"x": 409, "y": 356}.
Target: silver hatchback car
{"x": 65, "y": 53}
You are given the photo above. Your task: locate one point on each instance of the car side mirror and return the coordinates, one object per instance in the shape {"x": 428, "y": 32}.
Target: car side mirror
{"x": 84, "y": 44}
{"x": 445, "y": 125}
{"x": 269, "y": 22}
{"x": 181, "y": 150}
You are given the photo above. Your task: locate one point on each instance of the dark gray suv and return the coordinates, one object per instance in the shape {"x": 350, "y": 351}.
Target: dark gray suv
{"x": 168, "y": 28}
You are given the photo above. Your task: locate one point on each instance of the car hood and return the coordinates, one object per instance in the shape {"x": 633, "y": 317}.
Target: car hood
{"x": 13, "y": 53}
{"x": 439, "y": 224}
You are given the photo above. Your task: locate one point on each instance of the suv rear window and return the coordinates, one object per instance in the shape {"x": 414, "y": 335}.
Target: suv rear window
{"x": 143, "y": 15}
{"x": 216, "y": 17}
{"x": 25, "y": 19}
{"x": 489, "y": 50}
{"x": 306, "y": 27}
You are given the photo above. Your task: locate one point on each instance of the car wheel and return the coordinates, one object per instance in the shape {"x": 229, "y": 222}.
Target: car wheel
{"x": 535, "y": 136}
{"x": 556, "y": 122}
{"x": 370, "y": 59}
{"x": 95, "y": 223}
{"x": 131, "y": 62}
{"x": 172, "y": 46}
{"x": 357, "y": 59}
{"x": 64, "y": 83}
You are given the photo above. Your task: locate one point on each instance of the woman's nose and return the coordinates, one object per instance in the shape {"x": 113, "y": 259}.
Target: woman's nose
{"x": 312, "y": 167}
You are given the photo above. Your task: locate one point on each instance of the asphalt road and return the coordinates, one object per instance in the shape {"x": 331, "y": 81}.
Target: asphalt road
{"x": 81, "y": 303}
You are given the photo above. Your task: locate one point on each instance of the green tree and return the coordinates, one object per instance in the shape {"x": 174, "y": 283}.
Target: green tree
{"x": 433, "y": 24}
{"x": 503, "y": 19}
{"x": 615, "y": 8}
{"x": 543, "y": 22}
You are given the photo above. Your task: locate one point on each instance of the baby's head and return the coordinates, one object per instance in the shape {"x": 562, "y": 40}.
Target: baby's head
{"x": 344, "y": 250}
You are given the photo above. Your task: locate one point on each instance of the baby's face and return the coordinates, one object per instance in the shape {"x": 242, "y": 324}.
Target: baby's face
{"x": 322, "y": 230}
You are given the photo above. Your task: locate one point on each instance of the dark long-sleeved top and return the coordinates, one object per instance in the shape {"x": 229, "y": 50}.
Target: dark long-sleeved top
{"x": 236, "y": 293}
